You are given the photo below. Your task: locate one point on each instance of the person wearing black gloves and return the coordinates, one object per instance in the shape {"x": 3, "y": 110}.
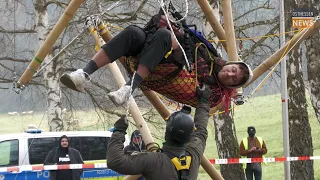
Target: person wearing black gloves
{"x": 181, "y": 153}
{"x": 64, "y": 154}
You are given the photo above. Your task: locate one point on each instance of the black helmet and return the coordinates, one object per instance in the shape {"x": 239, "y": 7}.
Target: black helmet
{"x": 180, "y": 126}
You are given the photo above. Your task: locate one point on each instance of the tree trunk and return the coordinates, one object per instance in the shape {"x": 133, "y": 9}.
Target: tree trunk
{"x": 227, "y": 145}
{"x": 313, "y": 64}
{"x": 51, "y": 73}
{"x": 225, "y": 132}
{"x": 299, "y": 126}
{"x": 300, "y": 138}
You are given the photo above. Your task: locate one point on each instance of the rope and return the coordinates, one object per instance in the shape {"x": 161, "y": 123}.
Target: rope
{"x": 185, "y": 15}
{"x": 24, "y": 158}
{"x": 128, "y": 102}
{"x": 40, "y": 70}
{"x": 195, "y": 61}
{"x": 76, "y": 38}
{"x": 14, "y": 41}
{"x": 274, "y": 68}
{"x": 211, "y": 41}
{"x": 169, "y": 24}
{"x": 257, "y": 37}
{"x": 59, "y": 53}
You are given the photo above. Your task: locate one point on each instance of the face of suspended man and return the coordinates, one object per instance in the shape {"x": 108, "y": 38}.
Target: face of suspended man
{"x": 64, "y": 142}
{"x": 231, "y": 75}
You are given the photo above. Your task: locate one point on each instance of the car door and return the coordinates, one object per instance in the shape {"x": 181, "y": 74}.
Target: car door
{"x": 9, "y": 156}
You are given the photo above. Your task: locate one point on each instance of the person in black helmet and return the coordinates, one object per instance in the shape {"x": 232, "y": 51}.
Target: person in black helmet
{"x": 136, "y": 143}
{"x": 185, "y": 140}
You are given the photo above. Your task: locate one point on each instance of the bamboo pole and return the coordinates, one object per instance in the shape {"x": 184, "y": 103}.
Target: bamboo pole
{"x": 216, "y": 26}
{"x": 134, "y": 110}
{"x": 210, "y": 169}
{"x": 48, "y": 43}
{"x": 295, "y": 41}
{"x": 230, "y": 35}
{"x": 161, "y": 108}
{"x": 229, "y": 30}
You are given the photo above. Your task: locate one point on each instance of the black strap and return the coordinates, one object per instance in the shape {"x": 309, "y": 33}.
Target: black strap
{"x": 182, "y": 174}
{"x": 187, "y": 33}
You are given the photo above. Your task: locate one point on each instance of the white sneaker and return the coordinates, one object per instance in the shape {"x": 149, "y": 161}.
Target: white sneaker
{"x": 74, "y": 80}
{"x": 120, "y": 96}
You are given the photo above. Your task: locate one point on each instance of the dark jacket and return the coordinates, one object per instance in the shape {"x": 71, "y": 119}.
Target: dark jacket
{"x": 162, "y": 167}
{"x": 253, "y": 143}
{"x": 75, "y": 158}
{"x": 132, "y": 147}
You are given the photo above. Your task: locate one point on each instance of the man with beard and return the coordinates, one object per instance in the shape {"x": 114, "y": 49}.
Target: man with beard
{"x": 253, "y": 147}
{"x": 64, "y": 154}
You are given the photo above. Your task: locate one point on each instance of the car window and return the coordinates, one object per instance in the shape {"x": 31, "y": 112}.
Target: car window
{"x": 93, "y": 148}
{"x": 9, "y": 151}
{"x": 40, "y": 147}
{"x": 90, "y": 148}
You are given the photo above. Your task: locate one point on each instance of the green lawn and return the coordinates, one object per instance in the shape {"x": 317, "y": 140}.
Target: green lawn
{"x": 265, "y": 114}
{"x": 262, "y": 112}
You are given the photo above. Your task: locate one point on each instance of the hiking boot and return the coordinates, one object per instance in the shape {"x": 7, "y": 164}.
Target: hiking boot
{"x": 120, "y": 96}
{"x": 75, "y": 80}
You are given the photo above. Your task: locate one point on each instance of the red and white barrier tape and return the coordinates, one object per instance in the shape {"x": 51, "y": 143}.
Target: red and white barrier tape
{"x": 267, "y": 160}
{"x": 104, "y": 165}
{"x": 52, "y": 167}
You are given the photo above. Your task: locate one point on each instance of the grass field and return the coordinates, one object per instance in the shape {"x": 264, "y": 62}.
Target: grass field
{"x": 262, "y": 112}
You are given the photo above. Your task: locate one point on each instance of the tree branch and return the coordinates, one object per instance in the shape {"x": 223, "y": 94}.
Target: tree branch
{"x": 258, "y": 43}
{"x": 19, "y": 31}
{"x": 257, "y": 23}
{"x": 252, "y": 10}
{"x": 14, "y": 59}
{"x": 60, "y": 4}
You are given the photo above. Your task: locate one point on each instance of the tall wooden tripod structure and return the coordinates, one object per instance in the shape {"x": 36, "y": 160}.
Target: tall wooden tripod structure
{"x": 223, "y": 34}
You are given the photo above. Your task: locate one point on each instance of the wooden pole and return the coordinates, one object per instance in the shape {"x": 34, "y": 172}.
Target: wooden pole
{"x": 133, "y": 108}
{"x": 296, "y": 40}
{"x": 229, "y": 30}
{"x": 161, "y": 108}
{"x": 46, "y": 47}
{"x": 216, "y": 26}
{"x": 210, "y": 169}
{"x": 230, "y": 35}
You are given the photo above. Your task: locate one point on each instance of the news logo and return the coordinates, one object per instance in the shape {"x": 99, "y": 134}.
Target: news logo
{"x": 302, "y": 18}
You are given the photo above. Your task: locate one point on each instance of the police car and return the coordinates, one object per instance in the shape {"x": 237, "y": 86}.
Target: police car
{"x": 32, "y": 147}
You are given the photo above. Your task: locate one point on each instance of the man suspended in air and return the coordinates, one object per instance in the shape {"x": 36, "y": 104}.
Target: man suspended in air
{"x": 154, "y": 54}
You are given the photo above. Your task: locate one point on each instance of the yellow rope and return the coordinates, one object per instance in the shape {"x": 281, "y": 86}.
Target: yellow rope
{"x": 115, "y": 27}
{"x": 195, "y": 60}
{"x": 274, "y": 68}
{"x": 176, "y": 107}
{"x": 256, "y": 37}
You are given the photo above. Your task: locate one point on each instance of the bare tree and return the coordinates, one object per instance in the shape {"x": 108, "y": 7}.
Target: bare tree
{"x": 313, "y": 64}
{"x": 41, "y": 20}
{"x": 254, "y": 51}
{"x": 227, "y": 145}
{"x": 300, "y": 138}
